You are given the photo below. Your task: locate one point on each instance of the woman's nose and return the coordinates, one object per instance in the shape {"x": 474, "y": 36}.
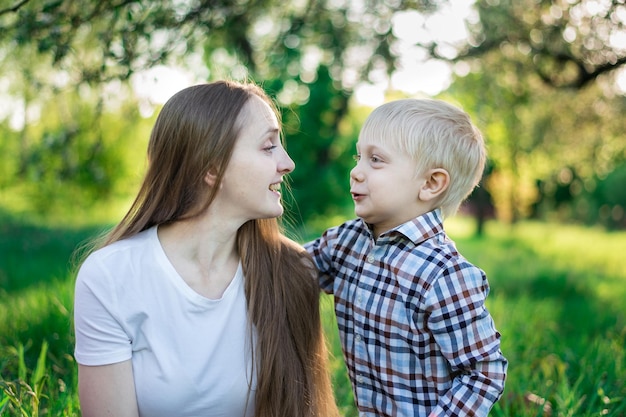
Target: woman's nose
{"x": 286, "y": 164}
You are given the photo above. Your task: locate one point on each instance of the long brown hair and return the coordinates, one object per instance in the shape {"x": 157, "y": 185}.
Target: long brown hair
{"x": 196, "y": 131}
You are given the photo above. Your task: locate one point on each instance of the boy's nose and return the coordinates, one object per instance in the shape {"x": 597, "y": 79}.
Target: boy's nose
{"x": 355, "y": 174}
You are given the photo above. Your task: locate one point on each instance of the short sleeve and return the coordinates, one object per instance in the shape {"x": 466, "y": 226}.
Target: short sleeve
{"x": 100, "y": 336}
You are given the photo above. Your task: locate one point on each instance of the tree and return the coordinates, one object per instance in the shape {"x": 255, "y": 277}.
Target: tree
{"x": 135, "y": 34}
{"x": 545, "y": 143}
{"x": 540, "y": 76}
{"x": 308, "y": 54}
{"x": 312, "y": 54}
{"x": 568, "y": 43}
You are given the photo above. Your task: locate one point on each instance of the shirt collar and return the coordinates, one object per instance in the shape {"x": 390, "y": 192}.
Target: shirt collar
{"x": 419, "y": 229}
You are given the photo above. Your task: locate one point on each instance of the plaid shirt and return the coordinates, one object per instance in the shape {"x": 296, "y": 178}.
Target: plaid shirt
{"x": 416, "y": 336}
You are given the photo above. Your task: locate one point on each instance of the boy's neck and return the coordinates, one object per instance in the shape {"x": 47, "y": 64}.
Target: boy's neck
{"x": 378, "y": 230}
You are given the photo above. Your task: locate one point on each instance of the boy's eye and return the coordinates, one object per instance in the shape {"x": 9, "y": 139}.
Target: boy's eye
{"x": 270, "y": 148}
{"x": 375, "y": 159}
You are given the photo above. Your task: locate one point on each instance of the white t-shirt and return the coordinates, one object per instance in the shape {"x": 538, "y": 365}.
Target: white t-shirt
{"x": 190, "y": 354}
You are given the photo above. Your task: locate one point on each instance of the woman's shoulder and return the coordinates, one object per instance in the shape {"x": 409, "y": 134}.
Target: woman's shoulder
{"x": 119, "y": 266}
{"x": 124, "y": 250}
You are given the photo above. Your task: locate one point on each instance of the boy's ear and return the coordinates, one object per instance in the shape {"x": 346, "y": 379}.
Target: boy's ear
{"x": 436, "y": 182}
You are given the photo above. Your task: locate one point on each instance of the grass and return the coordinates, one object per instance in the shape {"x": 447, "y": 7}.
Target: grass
{"x": 558, "y": 296}
{"x": 559, "y": 299}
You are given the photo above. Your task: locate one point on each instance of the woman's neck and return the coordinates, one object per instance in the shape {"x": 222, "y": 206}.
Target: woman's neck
{"x": 204, "y": 255}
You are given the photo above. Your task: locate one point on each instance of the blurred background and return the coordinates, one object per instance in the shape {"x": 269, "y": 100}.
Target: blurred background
{"x": 81, "y": 83}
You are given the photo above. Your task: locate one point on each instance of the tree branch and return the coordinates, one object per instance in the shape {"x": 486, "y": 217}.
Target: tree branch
{"x": 14, "y": 8}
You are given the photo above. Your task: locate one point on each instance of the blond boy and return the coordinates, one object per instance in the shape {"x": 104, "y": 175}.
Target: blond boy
{"x": 415, "y": 332}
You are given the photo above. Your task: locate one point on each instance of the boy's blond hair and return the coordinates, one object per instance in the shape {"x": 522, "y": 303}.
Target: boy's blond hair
{"x": 435, "y": 134}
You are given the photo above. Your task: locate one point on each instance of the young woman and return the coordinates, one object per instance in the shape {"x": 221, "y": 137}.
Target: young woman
{"x": 195, "y": 304}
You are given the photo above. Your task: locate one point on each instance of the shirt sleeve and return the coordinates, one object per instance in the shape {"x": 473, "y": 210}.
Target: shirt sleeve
{"x": 464, "y": 331}
{"x": 100, "y": 337}
{"x": 321, "y": 251}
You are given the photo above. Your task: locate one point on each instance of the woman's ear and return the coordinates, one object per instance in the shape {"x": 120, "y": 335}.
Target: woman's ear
{"x": 436, "y": 182}
{"x": 211, "y": 177}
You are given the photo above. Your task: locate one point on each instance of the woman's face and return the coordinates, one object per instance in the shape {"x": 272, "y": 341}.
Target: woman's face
{"x": 250, "y": 187}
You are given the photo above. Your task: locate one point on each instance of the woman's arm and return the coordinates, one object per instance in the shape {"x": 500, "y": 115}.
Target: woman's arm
{"x": 107, "y": 390}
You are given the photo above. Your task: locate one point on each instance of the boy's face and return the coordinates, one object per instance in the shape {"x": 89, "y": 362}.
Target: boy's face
{"x": 385, "y": 187}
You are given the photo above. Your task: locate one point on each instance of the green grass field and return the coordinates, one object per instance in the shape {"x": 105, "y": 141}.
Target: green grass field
{"x": 558, "y": 296}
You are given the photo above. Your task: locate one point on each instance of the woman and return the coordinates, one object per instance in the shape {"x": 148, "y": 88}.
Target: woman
{"x": 196, "y": 304}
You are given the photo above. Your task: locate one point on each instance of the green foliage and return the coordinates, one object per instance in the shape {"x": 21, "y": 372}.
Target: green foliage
{"x": 340, "y": 380}
{"x": 612, "y": 187}
{"x": 558, "y": 299}
{"x": 32, "y": 393}
{"x": 37, "y": 370}
{"x": 567, "y": 44}
{"x": 556, "y": 296}
{"x": 310, "y": 55}
{"x": 61, "y": 60}
{"x": 548, "y": 147}
{"x": 73, "y": 158}
{"x": 599, "y": 199}
{"x": 321, "y": 141}
{"x": 20, "y": 394}
{"x": 541, "y": 88}
{"x": 611, "y": 198}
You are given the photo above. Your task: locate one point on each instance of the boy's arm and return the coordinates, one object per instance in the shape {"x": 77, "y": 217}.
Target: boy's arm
{"x": 320, "y": 250}
{"x": 466, "y": 335}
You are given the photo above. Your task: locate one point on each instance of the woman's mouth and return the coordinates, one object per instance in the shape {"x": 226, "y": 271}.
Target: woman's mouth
{"x": 275, "y": 187}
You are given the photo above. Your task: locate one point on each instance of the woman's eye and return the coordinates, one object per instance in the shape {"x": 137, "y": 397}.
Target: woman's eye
{"x": 270, "y": 148}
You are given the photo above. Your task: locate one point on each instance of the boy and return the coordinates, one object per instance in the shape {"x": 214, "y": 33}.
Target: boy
{"x": 416, "y": 336}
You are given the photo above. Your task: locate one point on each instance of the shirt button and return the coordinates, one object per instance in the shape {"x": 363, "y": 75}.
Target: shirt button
{"x": 359, "y": 379}
{"x": 370, "y": 259}
{"x": 358, "y": 337}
